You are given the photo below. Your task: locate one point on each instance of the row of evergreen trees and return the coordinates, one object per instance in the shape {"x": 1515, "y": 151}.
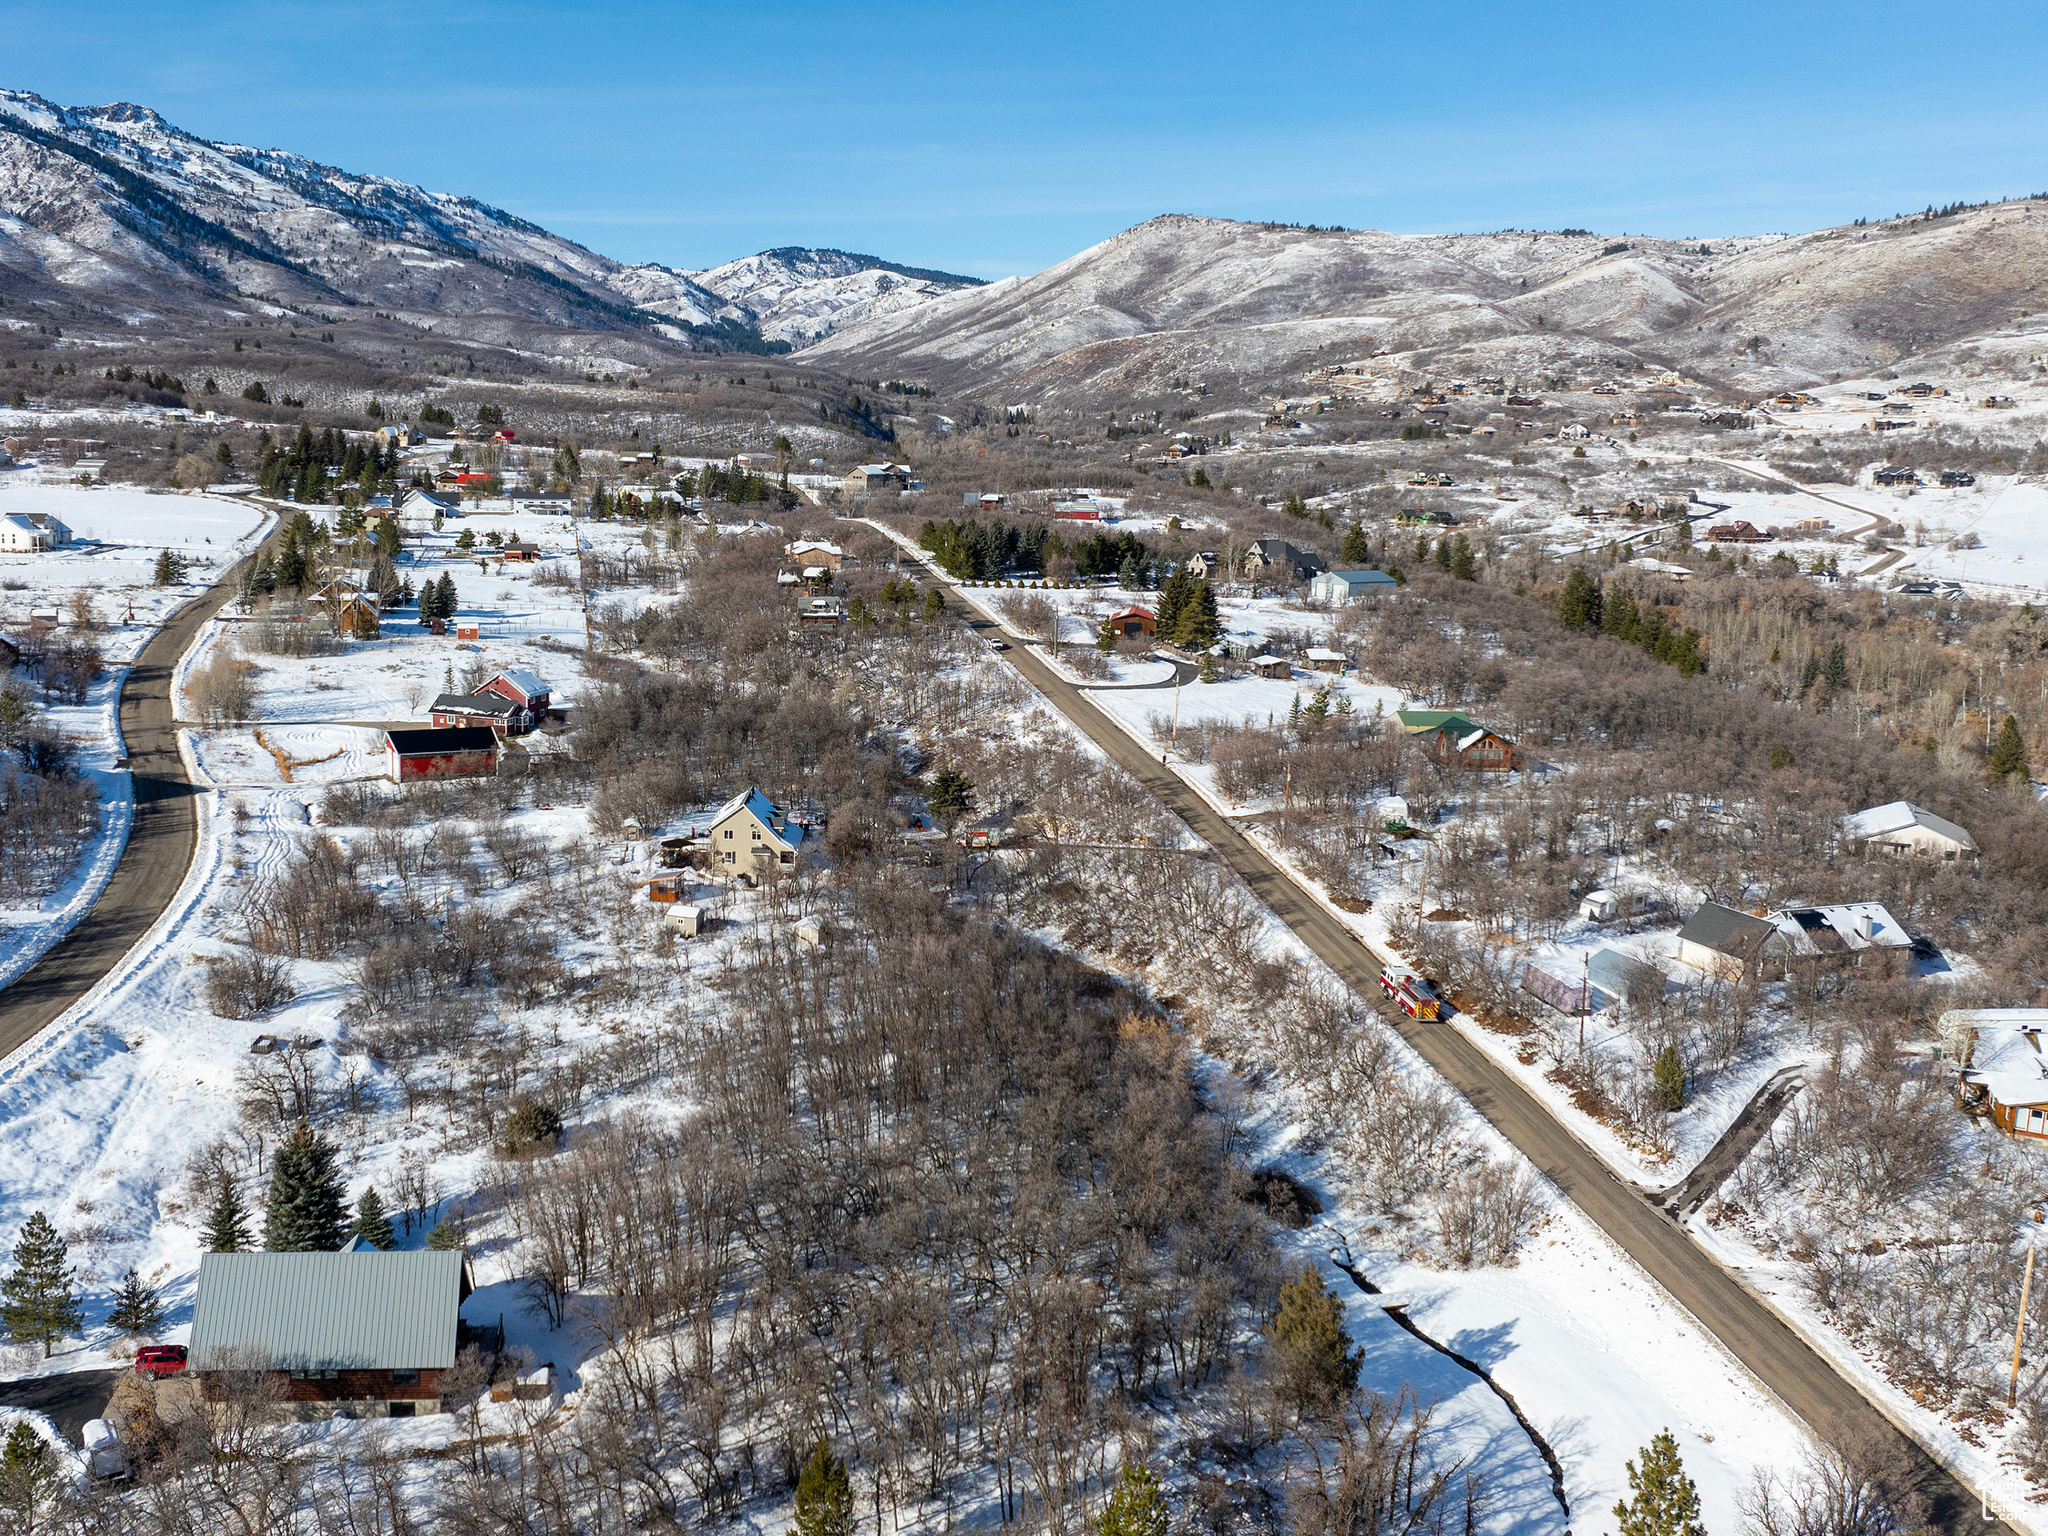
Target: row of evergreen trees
{"x": 307, "y": 1212}
{"x": 971, "y": 551}
{"x": 1582, "y": 605}
{"x": 298, "y": 471}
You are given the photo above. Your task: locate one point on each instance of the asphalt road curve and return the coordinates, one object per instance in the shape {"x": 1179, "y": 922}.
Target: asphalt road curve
{"x": 1801, "y": 1379}
{"x": 160, "y": 840}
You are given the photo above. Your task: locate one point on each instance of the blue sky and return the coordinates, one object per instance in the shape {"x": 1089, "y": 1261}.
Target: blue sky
{"x": 992, "y": 139}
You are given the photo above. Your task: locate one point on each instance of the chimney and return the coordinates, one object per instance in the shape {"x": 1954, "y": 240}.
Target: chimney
{"x": 1865, "y": 928}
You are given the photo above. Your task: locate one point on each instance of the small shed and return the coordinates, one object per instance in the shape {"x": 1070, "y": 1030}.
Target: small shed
{"x": 685, "y": 918}
{"x": 667, "y": 888}
{"x": 810, "y": 932}
{"x": 1273, "y": 666}
{"x": 521, "y": 552}
{"x": 1324, "y": 660}
{"x": 1600, "y": 906}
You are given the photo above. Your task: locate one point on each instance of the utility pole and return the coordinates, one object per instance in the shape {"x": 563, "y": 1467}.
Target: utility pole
{"x": 2019, "y": 1331}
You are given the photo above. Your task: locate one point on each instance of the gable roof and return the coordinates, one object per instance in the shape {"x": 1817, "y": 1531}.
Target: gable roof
{"x": 764, "y": 811}
{"x": 1726, "y": 931}
{"x": 328, "y": 1311}
{"x": 474, "y": 704}
{"x": 1880, "y": 820}
{"x": 424, "y": 741}
{"x": 1419, "y": 722}
{"x": 528, "y": 683}
{"x": 1360, "y": 578}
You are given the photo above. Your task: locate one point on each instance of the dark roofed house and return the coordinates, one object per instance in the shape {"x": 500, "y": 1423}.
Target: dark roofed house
{"x": 1724, "y": 941}
{"x": 453, "y": 752}
{"x": 1278, "y": 560}
{"x": 1449, "y": 737}
{"x": 1741, "y": 531}
{"x": 363, "y": 1333}
{"x": 507, "y": 717}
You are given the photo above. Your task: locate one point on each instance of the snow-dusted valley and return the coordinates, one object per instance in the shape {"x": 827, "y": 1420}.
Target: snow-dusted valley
{"x": 1277, "y": 879}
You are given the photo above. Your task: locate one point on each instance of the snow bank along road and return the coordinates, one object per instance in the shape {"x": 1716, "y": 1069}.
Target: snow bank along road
{"x": 160, "y": 839}
{"x": 1829, "y": 1404}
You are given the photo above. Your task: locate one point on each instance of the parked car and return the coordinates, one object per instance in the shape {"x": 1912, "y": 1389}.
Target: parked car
{"x": 160, "y": 1359}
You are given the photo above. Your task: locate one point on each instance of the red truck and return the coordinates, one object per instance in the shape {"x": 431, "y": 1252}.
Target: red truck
{"x": 1416, "y": 997}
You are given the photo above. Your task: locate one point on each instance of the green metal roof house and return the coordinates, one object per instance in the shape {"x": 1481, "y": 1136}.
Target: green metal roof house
{"x": 361, "y": 1332}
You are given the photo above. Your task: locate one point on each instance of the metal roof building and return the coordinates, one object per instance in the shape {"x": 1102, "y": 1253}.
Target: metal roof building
{"x": 363, "y": 1311}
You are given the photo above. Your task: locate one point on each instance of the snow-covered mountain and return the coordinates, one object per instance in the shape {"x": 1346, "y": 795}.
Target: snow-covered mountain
{"x": 117, "y": 205}
{"x": 1181, "y": 296}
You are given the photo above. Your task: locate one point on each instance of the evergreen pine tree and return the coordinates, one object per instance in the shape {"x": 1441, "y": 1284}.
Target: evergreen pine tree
{"x": 934, "y": 605}
{"x": 308, "y": 1207}
{"x": 170, "y": 569}
{"x": 1835, "y": 670}
{"x": 1443, "y": 554}
{"x": 1667, "y": 1074}
{"x": 227, "y": 1223}
{"x": 2009, "y": 753}
{"x": 1199, "y": 624}
{"x": 1207, "y": 671}
{"x": 1464, "y": 565}
{"x": 138, "y": 1310}
{"x": 1618, "y": 615}
{"x": 824, "y": 1496}
{"x": 1810, "y": 673}
{"x": 1173, "y": 597}
{"x": 1579, "y": 604}
{"x": 371, "y": 1224}
{"x": 444, "y": 597}
{"x": 1664, "y": 1501}
{"x": 36, "y": 1300}
{"x": 1313, "y": 1358}
{"x": 1357, "y": 549}
{"x": 1136, "y": 1506}
{"x": 1127, "y": 574}
{"x": 26, "y": 1472}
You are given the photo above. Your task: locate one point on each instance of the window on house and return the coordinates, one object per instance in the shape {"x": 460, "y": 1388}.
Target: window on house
{"x": 405, "y": 1378}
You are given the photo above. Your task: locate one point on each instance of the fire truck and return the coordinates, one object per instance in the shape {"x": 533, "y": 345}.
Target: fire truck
{"x": 1416, "y": 997}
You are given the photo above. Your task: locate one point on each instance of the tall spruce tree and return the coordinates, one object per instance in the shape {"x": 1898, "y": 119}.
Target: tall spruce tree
{"x": 1579, "y": 604}
{"x": 372, "y": 1225}
{"x": 308, "y": 1207}
{"x": 36, "y": 1299}
{"x": 824, "y": 1496}
{"x": 1198, "y": 624}
{"x": 1663, "y": 1500}
{"x": 1835, "y": 670}
{"x": 1173, "y": 597}
{"x": 227, "y": 1222}
{"x": 1464, "y": 564}
{"x": 2009, "y": 754}
{"x": 1357, "y": 547}
{"x": 138, "y": 1310}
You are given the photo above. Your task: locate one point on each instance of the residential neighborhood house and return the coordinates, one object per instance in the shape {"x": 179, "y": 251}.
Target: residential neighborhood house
{"x": 1903, "y": 829}
{"x": 748, "y": 833}
{"x": 363, "y": 1333}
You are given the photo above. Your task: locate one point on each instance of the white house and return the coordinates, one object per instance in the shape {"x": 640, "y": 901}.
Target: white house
{"x": 27, "y": 532}
{"x": 1344, "y": 586}
{"x": 1901, "y": 829}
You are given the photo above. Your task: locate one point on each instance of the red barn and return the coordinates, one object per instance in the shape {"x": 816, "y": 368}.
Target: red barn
{"x": 1133, "y": 622}
{"x": 455, "y": 710}
{"x": 463, "y": 751}
{"x": 522, "y": 687}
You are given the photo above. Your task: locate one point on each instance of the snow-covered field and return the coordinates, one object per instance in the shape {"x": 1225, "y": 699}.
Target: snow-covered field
{"x": 520, "y": 622}
{"x": 119, "y": 535}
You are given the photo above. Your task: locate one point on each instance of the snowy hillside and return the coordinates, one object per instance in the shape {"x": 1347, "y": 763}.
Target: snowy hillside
{"x": 1258, "y": 302}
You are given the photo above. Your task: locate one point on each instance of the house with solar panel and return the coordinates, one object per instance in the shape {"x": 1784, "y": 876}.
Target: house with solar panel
{"x": 360, "y": 1333}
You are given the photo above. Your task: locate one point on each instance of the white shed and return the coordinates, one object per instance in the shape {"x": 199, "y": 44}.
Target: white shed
{"x": 1599, "y": 906}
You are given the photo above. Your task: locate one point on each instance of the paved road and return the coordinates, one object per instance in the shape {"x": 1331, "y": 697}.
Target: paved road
{"x": 1801, "y": 1379}
{"x": 160, "y": 840}
{"x": 69, "y": 1398}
